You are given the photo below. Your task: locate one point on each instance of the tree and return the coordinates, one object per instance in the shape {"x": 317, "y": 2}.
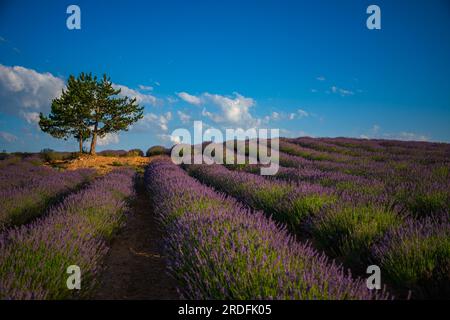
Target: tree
{"x": 70, "y": 112}
{"x": 89, "y": 108}
{"x": 112, "y": 113}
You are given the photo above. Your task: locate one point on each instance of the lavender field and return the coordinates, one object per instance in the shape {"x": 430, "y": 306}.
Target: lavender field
{"x": 335, "y": 207}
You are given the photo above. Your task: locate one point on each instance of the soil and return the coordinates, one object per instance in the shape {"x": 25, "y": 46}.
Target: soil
{"x": 136, "y": 266}
{"x": 102, "y": 164}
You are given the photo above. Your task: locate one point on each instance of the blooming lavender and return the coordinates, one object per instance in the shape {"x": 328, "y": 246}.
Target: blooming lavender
{"x": 379, "y": 186}
{"x": 219, "y": 249}
{"x": 28, "y": 189}
{"x": 416, "y": 256}
{"x": 34, "y": 257}
{"x": 287, "y": 202}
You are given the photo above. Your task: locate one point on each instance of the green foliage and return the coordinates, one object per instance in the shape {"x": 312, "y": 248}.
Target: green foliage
{"x": 50, "y": 155}
{"x": 442, "y": 172}
{"x": 310, "y": 205}
{"x": 71, "y": 112}
{"x": 156, "y": 150}
{"x": 427, "y": 204}
{"x": 90, "y": 108}
{"x": 135, "y": 153}
{"x": 349, "y": 232}
{"x": 415, "y": 257}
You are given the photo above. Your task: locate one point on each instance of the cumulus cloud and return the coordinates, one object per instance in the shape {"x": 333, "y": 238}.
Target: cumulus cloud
{"x": 169, "y": 138}
{"x": 109, "y": 138}
{"x": 141, "y": 98}
{"x": 8, "y": 137}
{"x": 191, "y": 99}
{"x": 232, "y": 110}
{"x": 152, "y": 121}
{"x": 184, "y": 117}
{"x": 26, "y": 92}
{"x": 31, "y": 117}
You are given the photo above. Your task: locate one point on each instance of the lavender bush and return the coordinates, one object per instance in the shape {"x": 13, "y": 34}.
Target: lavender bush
{"x": 218, "y": 249}
{"x": 416, "y": 256}
{"x": 287, "y": 203}
{"x": 27, "y": 190}
{"x": 34, "y": 257}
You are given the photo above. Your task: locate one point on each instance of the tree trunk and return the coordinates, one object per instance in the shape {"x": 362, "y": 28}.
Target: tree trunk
{"x": 80, "y": 140}
{"x": 94, "y": 141}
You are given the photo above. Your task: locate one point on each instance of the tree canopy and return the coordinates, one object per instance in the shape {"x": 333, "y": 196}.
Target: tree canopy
{"x": 90, "y": 108}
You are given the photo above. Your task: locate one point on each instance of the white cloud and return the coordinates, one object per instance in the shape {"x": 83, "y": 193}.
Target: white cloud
{"x": 191, "y": 99}
{"x": 377, "y": 133}
{"x": 172, "y": 100}
{"x": 342, "y": 92}
{"x": 145, "y": 88}
{"x": 8, "y": 137}
{"x": 231, "y": 110}
{"x": 26, "y": 92}
{"x": 295, "y": 115}
{"x": 109, "y": 138}
{"x": 152, "y": 121}
{"x": 141, "y": 98}
{"x": 411, "y": 136}
{"x": 184, "y": 117}
{"x": 321, "y": 78}
{"x": 169, "y": 138}
{"x": 376, "y": 128}
{"x": 31, "y": 117}
{"x": 275, "y": 116}
{"x": 302, "y": 113}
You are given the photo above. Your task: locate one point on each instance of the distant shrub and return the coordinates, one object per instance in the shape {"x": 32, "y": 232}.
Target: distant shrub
{"x": 4, "y": 156}
{"x": 49, "y": 155}
{"x": 116, "y": 164}
{"x": 113, "y": 153}
{"x": 135, "y": 153}
{"x": 157, "y": 150}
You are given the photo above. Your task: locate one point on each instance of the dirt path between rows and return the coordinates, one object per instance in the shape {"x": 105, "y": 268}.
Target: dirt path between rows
{"x": 135, "y": 265}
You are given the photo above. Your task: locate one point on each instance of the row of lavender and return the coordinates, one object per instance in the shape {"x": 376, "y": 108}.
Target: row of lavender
{"x": 418, "y": 189}
{"x": 378, "y": 150}
{"x": 27, "y": 189}
{"x": 34, "y": 258}
{"x": 414, "y": 254}
{"x": 219, "y": 249}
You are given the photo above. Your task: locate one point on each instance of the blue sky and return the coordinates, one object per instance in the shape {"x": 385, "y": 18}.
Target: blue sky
{"x": 308, "y": 68}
